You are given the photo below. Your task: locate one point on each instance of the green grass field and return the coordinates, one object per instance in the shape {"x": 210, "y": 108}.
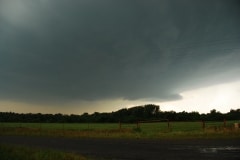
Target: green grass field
{"x": 115, "y": 130}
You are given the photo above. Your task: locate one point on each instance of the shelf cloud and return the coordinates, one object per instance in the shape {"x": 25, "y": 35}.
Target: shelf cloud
{"x": 89, "y": 50}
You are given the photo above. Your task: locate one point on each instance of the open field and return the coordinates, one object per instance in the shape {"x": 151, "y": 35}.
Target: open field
{"x": 116, "y": 130}
{"x": 187, "y": 140}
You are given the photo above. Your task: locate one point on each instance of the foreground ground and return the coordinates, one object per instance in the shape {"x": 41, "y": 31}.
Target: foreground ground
{"x": 19, "y": 152}
{"x": 140, "y": 149}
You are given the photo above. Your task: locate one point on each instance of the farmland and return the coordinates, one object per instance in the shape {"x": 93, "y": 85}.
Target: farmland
{"x": 121, "y": 140}
{"x": 124, "y": 130}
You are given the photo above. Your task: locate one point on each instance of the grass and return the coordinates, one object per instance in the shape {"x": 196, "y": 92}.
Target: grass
{"x": 114, "y": 130}
{"x": 14, "y": 152}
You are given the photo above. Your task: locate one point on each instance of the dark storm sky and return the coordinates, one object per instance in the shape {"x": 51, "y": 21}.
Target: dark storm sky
{"x": 73, "y": 50}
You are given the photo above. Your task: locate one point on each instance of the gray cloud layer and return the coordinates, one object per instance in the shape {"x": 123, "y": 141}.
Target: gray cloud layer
{"x": 62, "y": 50}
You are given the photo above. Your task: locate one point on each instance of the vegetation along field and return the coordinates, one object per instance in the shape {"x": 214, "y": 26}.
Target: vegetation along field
{"x": 125, "y": 130}
{"x": 146, "y": 121}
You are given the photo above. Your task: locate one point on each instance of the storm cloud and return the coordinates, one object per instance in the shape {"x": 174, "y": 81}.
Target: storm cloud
{"x": 63, "y": 50}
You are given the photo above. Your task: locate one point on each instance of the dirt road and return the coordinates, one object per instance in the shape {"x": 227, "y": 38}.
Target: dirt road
{"x": 137, "y": 149}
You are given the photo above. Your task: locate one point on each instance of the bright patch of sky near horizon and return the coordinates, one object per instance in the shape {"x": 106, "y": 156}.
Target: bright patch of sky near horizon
{"x": 221, "y": 97}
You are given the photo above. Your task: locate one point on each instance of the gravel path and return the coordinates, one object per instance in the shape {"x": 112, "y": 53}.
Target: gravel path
{"x": 137, "y": 149}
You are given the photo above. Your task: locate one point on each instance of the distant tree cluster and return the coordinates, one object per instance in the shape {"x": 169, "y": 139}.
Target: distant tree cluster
{"x": 134, "y": 114}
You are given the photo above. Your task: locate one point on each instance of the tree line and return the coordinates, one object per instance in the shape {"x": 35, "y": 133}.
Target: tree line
{"x": 125, "y": 115}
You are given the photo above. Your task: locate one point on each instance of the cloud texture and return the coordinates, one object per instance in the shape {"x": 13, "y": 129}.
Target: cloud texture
{"x": 63, "y": 50}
